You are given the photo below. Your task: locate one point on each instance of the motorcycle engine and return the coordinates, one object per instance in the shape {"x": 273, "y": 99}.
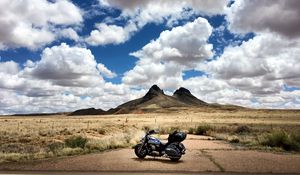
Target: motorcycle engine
{"x": 153, "y": 150}
{"x": 153, "y": 147}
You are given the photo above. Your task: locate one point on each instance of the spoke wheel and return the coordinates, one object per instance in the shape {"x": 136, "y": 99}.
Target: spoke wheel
{"x": 139, "y": 151}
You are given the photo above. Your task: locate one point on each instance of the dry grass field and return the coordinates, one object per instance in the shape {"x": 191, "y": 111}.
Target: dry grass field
{"x": 25, "y": 138}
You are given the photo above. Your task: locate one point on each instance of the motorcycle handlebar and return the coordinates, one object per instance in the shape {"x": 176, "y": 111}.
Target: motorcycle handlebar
{"x": 152, "y": 132}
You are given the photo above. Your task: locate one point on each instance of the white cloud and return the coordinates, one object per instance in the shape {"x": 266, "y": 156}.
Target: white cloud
{"x": 165, "y": 7}
{"x": 66, "y": 78}
{"x": 33, "y": 23}
{"x": 66, "y": 66}
{"x": 66, "y": 99}
{"x": 283, "y": 100}
{"x": 221, "y": 91}
{"x": 145, "y": 12}
{"x": 253, "y": 74}
{"x": 163, "y": 60}
{"x": 106, "y": 72}
{"x": 277, "y": 16}
{"x": 140, "y": 13}
{"x": 146, "y": 74}
{"x": 69, "y": 33}
{"x": 12, "y": 79}
{"x": 9, "y": 67}
{"x": 110, "y": 34}
{"x": 214, "y": 90}
{"x": 183, "y": 44}
{"x": 267, "y": 58}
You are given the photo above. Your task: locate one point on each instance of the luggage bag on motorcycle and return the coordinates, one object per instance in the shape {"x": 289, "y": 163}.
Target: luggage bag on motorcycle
{"x": 172, "y": 151}
{"x": 176, "y": 137}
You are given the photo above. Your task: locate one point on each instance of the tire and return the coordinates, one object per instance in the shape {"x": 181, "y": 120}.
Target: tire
{"x": 139, "y": 151}
{"x": 175, "y": 159}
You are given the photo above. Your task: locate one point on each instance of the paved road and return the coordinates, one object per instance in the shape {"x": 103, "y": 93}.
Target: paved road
{"x": 202, "y": 156}
{"x": 133, "y": 173}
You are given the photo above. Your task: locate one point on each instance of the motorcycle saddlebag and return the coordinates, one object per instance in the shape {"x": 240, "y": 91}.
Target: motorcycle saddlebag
{"x": 172, "y": 151}
{"x": 176, "y": 136}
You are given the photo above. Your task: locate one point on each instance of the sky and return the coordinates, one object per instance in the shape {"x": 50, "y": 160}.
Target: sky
{"x": 64, "y": 55}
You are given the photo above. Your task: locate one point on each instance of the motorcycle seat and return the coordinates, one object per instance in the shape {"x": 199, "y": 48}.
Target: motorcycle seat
{"x": 164, "y": 144}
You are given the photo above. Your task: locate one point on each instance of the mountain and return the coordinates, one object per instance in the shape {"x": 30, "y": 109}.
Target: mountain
{"x": 88, "y": 111}
{"x": 155, "y": 100}
{"x": 186, "y": 97}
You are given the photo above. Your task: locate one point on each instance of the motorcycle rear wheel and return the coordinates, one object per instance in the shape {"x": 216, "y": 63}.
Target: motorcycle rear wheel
{"x": 139, "y": 151}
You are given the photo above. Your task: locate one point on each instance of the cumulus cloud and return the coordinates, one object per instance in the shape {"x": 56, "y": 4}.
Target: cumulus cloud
{"x": 144, "y": 74}
{"x": 33, "y": 23}
{"x": 11, "y": 79}
{"x": 163, "y": 60}
{"x": 183, "y": 44}
{"x": 9, "y": 67}
{"x": 253, "y": 74}
{"x": 143, "y": 12}
{"x": 69, "y": 33}
{"x": 258, "y": 70}
{"x": 110, "y": 34}
{"x": 268, "y": 57}
{"x": 66, "y": 78}
{"x": 152, "y": 8}
{"x": 106, "y": 72}
{"x": 60, "y": 67}
{"x": 140, "y": 13}
{"x": 277, "y": 16}
{"x": 66, "y": 66}
{"x": 65, "y": 98}
{"x": 8, "y": 74}
{"x": 263, "y": 66}
{"x": 213, "y": 90}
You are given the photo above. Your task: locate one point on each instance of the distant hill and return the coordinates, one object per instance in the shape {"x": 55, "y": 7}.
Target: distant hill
{"x": 89, "y": 111}
{"x": 156, "y": 100}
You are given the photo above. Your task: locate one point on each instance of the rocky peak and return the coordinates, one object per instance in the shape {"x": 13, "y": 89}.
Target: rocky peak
{"x": 185, "y": 96}
{"x": 153, "y": 91}
{"x": 182, "y": 91}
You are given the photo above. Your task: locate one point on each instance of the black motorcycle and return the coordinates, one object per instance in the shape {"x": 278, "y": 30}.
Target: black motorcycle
{"x": 152, "y": 146}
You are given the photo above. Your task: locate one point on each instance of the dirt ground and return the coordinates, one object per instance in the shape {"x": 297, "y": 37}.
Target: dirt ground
{"x": 203, "y": 155}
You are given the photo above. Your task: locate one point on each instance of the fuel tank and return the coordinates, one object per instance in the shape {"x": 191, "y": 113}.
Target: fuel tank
{"x": 153, "y": 140}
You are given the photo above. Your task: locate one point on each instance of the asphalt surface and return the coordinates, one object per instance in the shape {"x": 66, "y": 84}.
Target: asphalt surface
{"x": 203, "y": 156}
{"x": 132, "y": 173}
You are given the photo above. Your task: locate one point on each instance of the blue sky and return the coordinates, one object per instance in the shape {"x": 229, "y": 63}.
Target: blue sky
{"x": 112, "y": 51}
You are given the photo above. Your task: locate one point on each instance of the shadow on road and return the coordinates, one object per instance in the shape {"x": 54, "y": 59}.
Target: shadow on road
{"x": 167, "y": 161}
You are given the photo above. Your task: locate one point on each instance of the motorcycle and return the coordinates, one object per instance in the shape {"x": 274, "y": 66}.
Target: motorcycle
{"x": 152, "y": 146}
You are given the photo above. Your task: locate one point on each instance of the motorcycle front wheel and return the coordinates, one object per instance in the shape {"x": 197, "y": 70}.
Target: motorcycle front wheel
{"x": 139, "y": 151}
